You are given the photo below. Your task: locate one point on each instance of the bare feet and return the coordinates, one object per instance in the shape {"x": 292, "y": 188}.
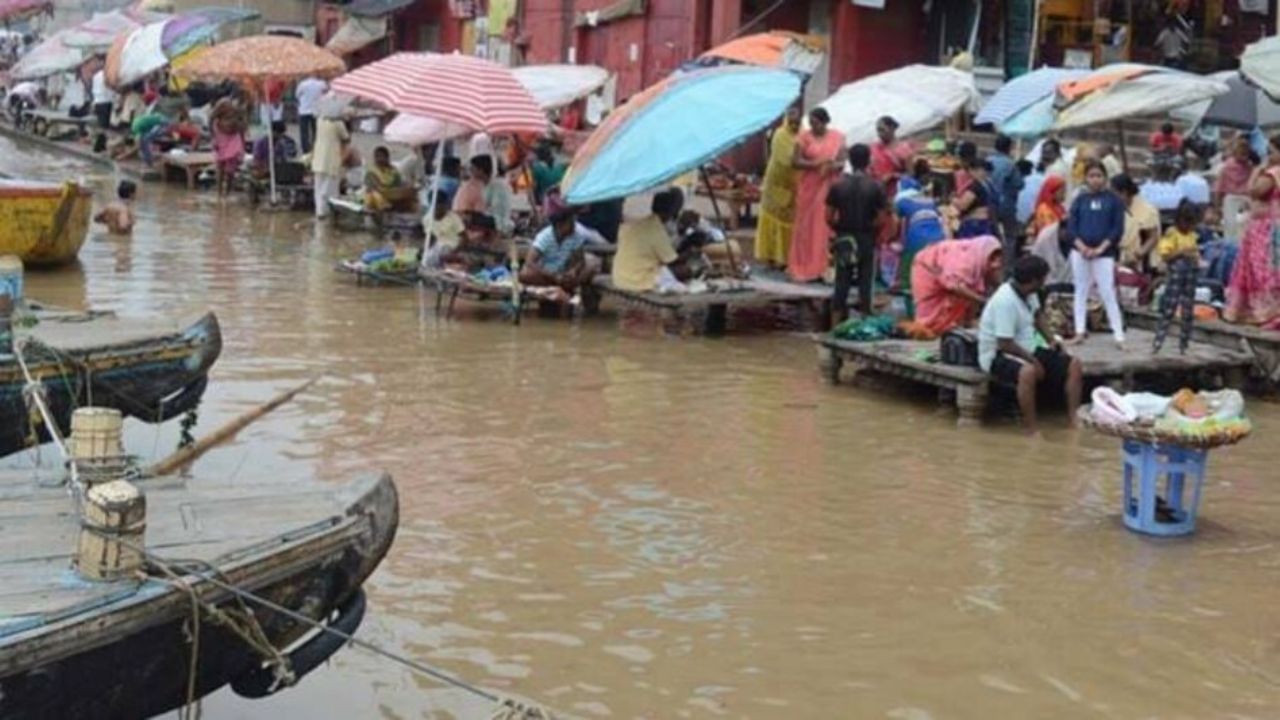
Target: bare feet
{"x": 1076, "y": 339}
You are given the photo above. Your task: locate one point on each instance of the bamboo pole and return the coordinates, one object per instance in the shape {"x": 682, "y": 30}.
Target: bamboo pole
{"x": 191, "y": 453}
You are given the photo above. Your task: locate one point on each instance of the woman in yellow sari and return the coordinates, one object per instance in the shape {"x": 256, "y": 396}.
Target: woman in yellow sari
{"x": 384, "y": 186}
{"x": 778, "y": 196}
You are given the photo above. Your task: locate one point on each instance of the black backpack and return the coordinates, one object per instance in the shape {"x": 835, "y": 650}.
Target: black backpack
{"x": 959, "y": 347}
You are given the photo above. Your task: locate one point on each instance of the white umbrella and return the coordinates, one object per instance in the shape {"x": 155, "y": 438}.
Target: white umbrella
{"x": 1260, "y": 65}
{"x": 554, "y": 86}
{"x": 48, "y": 58}
{"x": 918, "y": 97}
{"x": 1151, "y": 93}
{"x": 142, "y": 54}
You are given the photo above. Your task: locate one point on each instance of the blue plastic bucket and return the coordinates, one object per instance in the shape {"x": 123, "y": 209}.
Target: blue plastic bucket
{"x": 11, "y": 277}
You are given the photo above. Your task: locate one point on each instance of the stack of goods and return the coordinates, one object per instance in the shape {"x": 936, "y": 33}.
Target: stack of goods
{"x": 738, "y": 185}
{"x": 385, "y": 261}
{"x": 1188, "y": 419}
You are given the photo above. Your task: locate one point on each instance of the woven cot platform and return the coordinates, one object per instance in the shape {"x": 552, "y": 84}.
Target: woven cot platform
{"x": 707, "y": 313}
{"x": 1104, "y": 363}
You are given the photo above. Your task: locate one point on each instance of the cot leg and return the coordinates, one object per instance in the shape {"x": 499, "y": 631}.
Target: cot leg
{"x": 830, "y": 364}
{"x": 971, "y": 401}
{"x": 717, "y": 319}
{"x": 453, "y": 299}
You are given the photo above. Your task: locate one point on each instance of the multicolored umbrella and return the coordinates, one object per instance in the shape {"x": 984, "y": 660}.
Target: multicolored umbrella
{"x": 254, "y": 61}
{"x": 774, "y": 49}
{"x": 919, "y": 97}
{"x": 676, "y": 126}
{"x": 202, "y": 26}
{"x": 459, "y": 89}
{"x": 552, "y": 86}
{"x": 21, "y": 9}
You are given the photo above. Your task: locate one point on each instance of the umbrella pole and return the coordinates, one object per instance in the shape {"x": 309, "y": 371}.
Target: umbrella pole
{"x": 265, "y": 113}
{"x": 715, "y": 206}
{"x": 431, "y": 203}
{"x": 1124, "y": 152}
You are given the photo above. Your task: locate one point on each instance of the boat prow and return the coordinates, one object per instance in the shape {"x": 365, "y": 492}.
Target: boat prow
{"x": 152, "y": 370}
{"x": 44, "y": 223}
{"x": 74, "y": 648}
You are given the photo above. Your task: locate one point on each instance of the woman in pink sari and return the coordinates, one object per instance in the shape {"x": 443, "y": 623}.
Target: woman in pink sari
{"x": 817, "y": 159}
{"x": 1253, "y": 294}
{"x": 950, "y": 281}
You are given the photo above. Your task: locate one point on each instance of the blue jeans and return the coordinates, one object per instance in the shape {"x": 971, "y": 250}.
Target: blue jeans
{"x": 144, "y": 142}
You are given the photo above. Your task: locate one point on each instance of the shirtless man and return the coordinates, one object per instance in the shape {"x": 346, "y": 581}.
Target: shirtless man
{"x": 118, "y": 215}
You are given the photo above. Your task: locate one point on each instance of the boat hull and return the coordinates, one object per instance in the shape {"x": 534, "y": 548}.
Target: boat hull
{"x": 43, "y": 224}
{"x": 152, "y": 379}
{"x": 130, "y": 659}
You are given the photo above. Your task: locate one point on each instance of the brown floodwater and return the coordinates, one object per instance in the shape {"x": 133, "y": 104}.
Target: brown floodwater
{"x": 627, "y": 526}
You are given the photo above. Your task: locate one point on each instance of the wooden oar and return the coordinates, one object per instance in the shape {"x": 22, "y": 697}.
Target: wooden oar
{"x": 191, "y": 453}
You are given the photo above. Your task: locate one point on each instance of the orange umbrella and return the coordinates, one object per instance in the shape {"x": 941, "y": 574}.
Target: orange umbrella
{"x": 253, "y": 61}
{"x": 263, "y": 63}
{"x": 776, "y": 49}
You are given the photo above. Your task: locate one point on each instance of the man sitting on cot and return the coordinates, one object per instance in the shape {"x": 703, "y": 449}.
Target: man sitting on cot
{"x": 647, "y": 259}
{"x": 479, "y": 248}
{"x": 558, "y": 256}
{"x": 1009, "y": 350}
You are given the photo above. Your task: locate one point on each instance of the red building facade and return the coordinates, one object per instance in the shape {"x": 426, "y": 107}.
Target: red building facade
{"x": 643, "y": 42}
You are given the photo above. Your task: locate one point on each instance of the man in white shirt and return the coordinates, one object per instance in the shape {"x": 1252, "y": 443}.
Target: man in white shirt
{"x": 1161, "y": 191}
{"x": 1193, "y": 185}
{"x": 104, "y": 99}
{"x": 1007, "y": 343}
{"x": 309, "y": 92}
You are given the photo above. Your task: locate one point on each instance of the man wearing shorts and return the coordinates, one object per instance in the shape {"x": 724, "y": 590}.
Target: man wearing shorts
{"x": 1007, "y": 347}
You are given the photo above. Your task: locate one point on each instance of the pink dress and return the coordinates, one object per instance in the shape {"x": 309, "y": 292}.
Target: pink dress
{"x": 228, "y": 148}
{"x": 810, "y": 234}
{"x": 942, "y": 268}
{"x": 1253, "y": 294}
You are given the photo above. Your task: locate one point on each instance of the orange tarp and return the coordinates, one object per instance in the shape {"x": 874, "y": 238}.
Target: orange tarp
{"x": 764, "y": 49}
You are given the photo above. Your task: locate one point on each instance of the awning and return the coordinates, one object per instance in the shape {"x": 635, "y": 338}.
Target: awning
{"x": 375, "y": 8}
{"x": 618, "y": 10}
{"x": 357, "y": 32}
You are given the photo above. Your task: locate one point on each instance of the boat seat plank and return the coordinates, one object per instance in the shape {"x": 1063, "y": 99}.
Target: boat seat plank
{"x": 76, "y": 334}
{"x": 197, "y": 520}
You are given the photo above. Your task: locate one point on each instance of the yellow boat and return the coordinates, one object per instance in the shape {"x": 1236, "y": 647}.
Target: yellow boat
{"x": 43, "y": 223}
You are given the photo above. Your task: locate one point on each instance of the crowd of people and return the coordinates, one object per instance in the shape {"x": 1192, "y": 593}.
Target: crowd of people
{"x": 949, "y": 241}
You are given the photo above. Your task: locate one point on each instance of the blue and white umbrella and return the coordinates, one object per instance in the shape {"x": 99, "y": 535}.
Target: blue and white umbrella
{"x": 1023, "y": 92}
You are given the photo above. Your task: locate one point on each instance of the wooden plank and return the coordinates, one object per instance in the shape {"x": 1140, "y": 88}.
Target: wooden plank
{"x": 1099, "y": 355}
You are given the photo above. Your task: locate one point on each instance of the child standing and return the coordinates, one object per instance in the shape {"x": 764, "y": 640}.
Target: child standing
{"x": 118, "y": 215}
{"x": 1180, "y": 251}
{"x": 1094, "y": 228}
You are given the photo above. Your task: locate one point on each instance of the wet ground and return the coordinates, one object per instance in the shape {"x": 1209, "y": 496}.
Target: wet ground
{"x": 635, "y": 527}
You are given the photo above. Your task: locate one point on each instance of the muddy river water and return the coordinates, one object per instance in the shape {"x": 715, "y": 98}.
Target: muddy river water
{"x": 636, "y": 527}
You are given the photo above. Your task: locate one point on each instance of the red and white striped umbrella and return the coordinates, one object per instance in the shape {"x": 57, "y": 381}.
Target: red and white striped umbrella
{"x": 460, "y": 89}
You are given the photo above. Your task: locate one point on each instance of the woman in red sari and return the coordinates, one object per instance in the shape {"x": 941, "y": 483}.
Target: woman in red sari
{"x": 818, "y": 156}
{"x": 1253, "y": 294}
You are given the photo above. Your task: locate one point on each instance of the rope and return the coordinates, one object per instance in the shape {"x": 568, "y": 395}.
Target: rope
{"x": 507, "y": 708}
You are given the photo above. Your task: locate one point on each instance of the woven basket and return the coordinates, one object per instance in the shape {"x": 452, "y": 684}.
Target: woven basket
{"x": 1150, "y": 435}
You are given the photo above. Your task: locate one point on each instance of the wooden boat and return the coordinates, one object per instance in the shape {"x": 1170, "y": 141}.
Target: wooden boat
{"x": 152, "y": 370}
{"x": 73, "y": 648}
{"x": 43, "y": 223}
